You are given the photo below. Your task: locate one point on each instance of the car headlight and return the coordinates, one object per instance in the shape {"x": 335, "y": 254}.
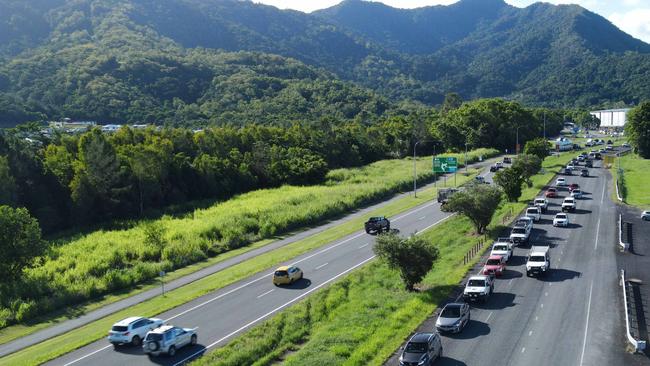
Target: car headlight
{"x": 424, "y": 360}
{"x": 543, "y": 267}
{"x": 457, "y": 323}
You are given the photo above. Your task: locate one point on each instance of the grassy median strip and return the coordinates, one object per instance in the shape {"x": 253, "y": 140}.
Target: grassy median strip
{"x": 65, "y": 343}
{"x": 636, "y": 173}
{"x": 364, "y": 317}
{"x": 85, "y": 260}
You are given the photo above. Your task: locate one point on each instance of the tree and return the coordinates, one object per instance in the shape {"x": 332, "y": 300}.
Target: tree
{"x": 7, "y": 183}
{"x": 478, "y": 203}
{"x": 412, "y": 257}
{"x": 527, "y": 166}
{"x": 20, "y": 242}
{"x": 538, "y": 147}
{"x": 510, "y": 181}
{"x": 452, "y": 101}
{"x": 637, "y": 129}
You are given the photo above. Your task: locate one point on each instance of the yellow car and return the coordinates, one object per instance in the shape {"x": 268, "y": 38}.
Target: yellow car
{"x": 286, "y": 275}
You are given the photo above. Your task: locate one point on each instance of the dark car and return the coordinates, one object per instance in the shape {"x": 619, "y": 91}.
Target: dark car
{"x": 598, "y": 156}
{"x": 494, "y": 168}
{"x": 377, "y": 224}
{"x": 566, "y": 171}
{"x": 609, "y": 142}
{"x": 421, "y": 349}
{"x": 584, "y": 173}
{"x": 589, "y": 163}
{"x": 507, "y": 160}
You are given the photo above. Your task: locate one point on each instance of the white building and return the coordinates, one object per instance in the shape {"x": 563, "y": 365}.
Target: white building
{"x": 611, "y": 118}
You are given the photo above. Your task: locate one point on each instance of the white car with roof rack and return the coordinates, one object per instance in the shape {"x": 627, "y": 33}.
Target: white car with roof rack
{"x": 132, "y": 330}
{"x": 167, "y": 339}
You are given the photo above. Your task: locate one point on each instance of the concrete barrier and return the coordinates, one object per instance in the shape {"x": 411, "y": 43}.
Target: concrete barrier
{"x": 624, "y": 246}
{"x": 637, "y": 344}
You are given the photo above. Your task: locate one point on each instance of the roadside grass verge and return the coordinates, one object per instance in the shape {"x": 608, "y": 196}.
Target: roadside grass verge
{"x": 633, "y": 185}
{"x": 363, "y": 318}
{"x": 65, "y": 343}
{"x": 86, "y": 271}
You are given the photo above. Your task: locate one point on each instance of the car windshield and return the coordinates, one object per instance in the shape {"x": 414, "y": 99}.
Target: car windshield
{"x": 120, "y": 328}
{"x": 476, "y": 283}
{"x": 416, "y": 347}
{"x": 281, "y": 273}
{"x": 451, "y": 312}
{"x": 531, "y": 210}
{"x": 500, "y": 247}
{"x": 539, "y": 201}
{"x": 560, "y": 216}
{"x": 154, "y": 337}
{"x": 518, "y": 230}
{"x": 493, "y": 262}
{"x": 537, "y": 258}
{"x": 568, "y": 201}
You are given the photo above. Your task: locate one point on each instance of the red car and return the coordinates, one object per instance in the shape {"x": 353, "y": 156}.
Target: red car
{"x": 573, "y": 186}
{"x": 551, "y": 192}
{"x": 494, "y": 266}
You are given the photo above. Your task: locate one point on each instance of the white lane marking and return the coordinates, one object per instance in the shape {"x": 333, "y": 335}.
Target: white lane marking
{"x": 530, "y": 333}
{"x": 266, "y": 293}
{"x": 412, "y": 212}
{"x": 510, "y": 282}
{"x": 88, "y": 355}
{"x": 545, "y": 293}
{"x": 422, "y": 218}
{"x": 274, "y": 311}
{"x": 523, "y": 349}
{"x": 584, "y": 341}
{"x": 541, "y": 305}
{"x": 536, "y": 318}
{"x": 365, "y": 245}
{"x": 322, "y": 265}
{"x": 488, "y": 317}
{"x": 434, "y": 224}
{"x": 597, "y": 232}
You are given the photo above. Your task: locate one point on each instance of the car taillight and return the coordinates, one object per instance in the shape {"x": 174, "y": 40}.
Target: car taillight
{"x": 126, "y": 333}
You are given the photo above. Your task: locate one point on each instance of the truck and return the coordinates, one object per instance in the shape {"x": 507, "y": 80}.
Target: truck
{"x": 445, "y": 194}
{"x": 377, "y": 224}
{"x": 534, "y": 213}
{"x": 542, "y": 203}
{"x": 538, "y": 261}
{"x": 569, "y": 204}
{"x": 478, "y": 288}
{"x": 520, "y": 233}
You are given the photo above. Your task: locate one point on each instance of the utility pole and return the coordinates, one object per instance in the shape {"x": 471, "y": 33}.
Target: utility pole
{"x": 544, "y": 125}
{"x": 465, "y": 158}
{"x": 415, "y": 172}
{"x": 517, "y": 143}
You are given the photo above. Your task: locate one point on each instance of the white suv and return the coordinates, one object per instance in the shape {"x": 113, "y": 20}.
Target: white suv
{"x": 168, "y": 339}
{"x": 132, "y": 330}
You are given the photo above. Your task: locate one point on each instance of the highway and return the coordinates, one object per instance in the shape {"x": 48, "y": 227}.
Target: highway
{"x": 227, "y": 312}
{"x": 571, "y": 317}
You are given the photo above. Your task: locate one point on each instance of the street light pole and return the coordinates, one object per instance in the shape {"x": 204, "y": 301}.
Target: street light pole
{"x": 544, "y": 125}
{"x": 466, "y": 157}
{"x": 415, "y": 172}
{"x": 517, "y": 144}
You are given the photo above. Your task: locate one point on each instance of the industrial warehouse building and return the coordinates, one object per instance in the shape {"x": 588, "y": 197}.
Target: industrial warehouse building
{"x": 611, "y": 118}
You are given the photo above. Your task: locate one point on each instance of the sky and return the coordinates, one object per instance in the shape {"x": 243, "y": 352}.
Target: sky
{"x": 632, "y": 16}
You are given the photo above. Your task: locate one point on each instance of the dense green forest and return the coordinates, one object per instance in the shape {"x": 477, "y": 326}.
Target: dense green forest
{"x": 227, "y": 62}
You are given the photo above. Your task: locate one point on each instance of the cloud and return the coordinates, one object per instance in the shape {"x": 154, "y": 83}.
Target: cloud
{"x": 634, "y": 22}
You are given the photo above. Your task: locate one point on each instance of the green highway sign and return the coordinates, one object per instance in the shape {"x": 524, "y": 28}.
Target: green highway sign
{"x": 445, "y": 165}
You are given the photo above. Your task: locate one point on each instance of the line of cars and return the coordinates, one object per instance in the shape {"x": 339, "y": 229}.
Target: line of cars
{"x": 155, "y": 337}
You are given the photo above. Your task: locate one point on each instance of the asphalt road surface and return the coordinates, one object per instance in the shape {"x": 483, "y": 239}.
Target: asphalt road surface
{"x": 223, "y": 314}
{"x": 573, "y": 316}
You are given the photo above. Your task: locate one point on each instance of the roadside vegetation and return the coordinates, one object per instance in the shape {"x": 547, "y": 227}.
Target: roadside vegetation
{"x": 634, "y": 181}
{"x": 363, "y": 318}
{"x": 65, "y": 343}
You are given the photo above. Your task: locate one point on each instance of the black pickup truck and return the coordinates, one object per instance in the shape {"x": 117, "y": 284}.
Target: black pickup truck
{"x": 377, "y": 224}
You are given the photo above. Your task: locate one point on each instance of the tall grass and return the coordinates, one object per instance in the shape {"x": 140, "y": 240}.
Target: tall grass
{"x": 633, "y": 180}
{"x": 102, "y": 262}
{"x": 363, "y": 318}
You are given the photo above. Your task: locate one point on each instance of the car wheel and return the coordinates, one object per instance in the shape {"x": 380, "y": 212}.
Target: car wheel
{"x": 440, "y": 352}
{"x": 301, "y": 275}
{"x": 116, "y": 346}
{"x": 135, "y": 341}
{"x": 193, "y": 340}
{"x": 172, "y": 351}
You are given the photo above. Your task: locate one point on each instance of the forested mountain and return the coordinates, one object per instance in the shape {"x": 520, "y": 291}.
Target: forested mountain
{"x": 181, "y": 61}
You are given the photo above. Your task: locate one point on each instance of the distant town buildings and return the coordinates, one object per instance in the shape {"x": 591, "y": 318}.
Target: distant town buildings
{"x": 611, "y": 118}
{"x": 69, "y": 126}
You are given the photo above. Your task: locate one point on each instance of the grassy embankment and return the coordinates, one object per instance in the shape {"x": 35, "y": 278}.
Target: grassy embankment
{"x": 363, "y": 318}
{"x": 376, "y": 176}
{"x": 636, "y": 175}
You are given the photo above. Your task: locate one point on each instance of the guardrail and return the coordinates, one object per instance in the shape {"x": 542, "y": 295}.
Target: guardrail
{"x": 618, "y": 194}
{"x": 638, "y": 344}
{"x": 623, "y": 245}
